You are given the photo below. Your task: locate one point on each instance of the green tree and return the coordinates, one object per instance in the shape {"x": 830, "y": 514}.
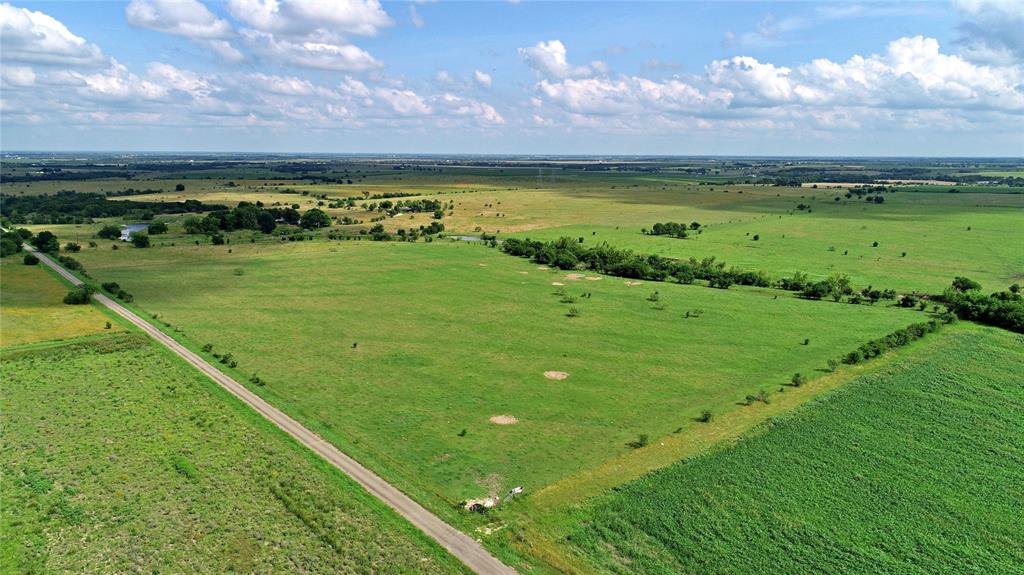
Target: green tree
{"x": 140, "y": 240}
{"x": 109, "y": 232}
{"x": 314, "y": 218}
{"x": 45, "y": 241}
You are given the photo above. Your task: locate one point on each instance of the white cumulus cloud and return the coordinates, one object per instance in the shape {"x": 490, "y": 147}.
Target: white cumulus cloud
{"x": 549, "y": 58}
{"x": 38, "y": 38}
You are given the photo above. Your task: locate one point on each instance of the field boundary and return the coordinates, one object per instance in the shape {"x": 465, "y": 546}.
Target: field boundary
{"x": 466, "y": 549}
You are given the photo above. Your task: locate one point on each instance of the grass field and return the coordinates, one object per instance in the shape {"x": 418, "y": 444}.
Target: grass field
{"x": 916, "y": 469}
{"x": 941, "y": 235}
{"x": 32, "y": 310}
{"x": 392, "y": 350}
{"x": 119, "y": 458}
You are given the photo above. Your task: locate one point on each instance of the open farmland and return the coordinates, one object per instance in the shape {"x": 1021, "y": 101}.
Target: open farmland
{"x": 33, "y": 312}
{"x": 918, "y": 468}
{"x": 416, "y": 346}
{"x": 457, "y": 371}
{"x": 117, "y": 458}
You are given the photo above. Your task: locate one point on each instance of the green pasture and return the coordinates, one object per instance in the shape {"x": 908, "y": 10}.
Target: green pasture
{"x": 401, "y": 353}
{"x": 120, "y": 458}
{"x": 924, "y": 240}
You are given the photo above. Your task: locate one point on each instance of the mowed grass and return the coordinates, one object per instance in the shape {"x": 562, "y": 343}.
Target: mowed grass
{"x": 32, "y": 308}
{"x": 915, "y": 469}
{"x": 119, "y": 458}
{"x": 401, "y": 353}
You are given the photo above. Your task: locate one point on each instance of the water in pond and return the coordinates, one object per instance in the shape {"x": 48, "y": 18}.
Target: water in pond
{"x": 129, "y": 229}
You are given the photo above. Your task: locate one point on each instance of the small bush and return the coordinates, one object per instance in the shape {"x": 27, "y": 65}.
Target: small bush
{"x": 78, "y": 296}
{"x": 140, "y": 240}
{"x": 30, "y": 260}
{"x": 705, "y": 416}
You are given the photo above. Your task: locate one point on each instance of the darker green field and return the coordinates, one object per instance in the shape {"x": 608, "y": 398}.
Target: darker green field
{"x": 916, "y": 469}
{"x": 119, "y": 458}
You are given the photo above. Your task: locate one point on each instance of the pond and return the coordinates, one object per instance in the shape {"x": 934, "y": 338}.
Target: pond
{"x": 128, "y": 229}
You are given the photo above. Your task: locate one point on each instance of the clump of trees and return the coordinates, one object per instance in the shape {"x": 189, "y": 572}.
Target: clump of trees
{"x": 117, "y": 291}
{"x": 11, "y": 242}
{"x": 673, "y": 229}
{"x": 79, "y": 296}
{"x": 244, "y": 216}
{"x": 1003, "y": 309}
{"x": 46, "y": 242}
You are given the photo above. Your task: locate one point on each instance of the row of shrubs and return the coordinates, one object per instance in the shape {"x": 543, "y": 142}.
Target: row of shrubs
{"x": 898, "y": 338}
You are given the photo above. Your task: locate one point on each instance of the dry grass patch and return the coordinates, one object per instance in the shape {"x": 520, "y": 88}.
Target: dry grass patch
{"x": 503, "y": 420}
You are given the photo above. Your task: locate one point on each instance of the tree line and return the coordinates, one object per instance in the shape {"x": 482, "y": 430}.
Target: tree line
{"x": 78, "y": 208}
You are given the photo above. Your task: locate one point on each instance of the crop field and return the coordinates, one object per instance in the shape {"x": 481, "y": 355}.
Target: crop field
{"x": 32, "y": 311}
{"x": 886, "y": 475}
{"x": 117, "y": 458}
{"x": 418, "y": 346}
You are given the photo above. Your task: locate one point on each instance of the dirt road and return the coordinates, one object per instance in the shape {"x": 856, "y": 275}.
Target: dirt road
{"x": 463, "y": 547}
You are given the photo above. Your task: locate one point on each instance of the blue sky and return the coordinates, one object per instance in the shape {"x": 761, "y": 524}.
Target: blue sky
{"x": 526, "y": 77}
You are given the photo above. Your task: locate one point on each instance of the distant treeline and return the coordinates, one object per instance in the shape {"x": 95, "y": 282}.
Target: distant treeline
{"x": 77, "y": 208}
{"x": 57, "y": 174}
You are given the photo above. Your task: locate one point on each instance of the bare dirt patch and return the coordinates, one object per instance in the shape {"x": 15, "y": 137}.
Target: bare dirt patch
{"x": 631, "y": 284}
{"x": 503, "y": 419}
{"x": 557, "y": 284}
{"x": 574, "y": 276}
{"x": 543, "y": 268}
{"x": 592, "y": 278}
{"x": 524, "y": 273}
{"x": 556, "y": 375}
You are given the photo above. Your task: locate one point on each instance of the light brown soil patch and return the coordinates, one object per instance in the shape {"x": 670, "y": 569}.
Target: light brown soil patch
{"x": 557, "y": 375}
{"x": 543, "y": 268}
{"x": 557, "y": 284}
{"x": 574, "y": 276}
{"x": 592, "y": 278}
{"x": 504, "y": 419}
{"x": 631, "y": 284}
{"x": 524, "y": 273}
